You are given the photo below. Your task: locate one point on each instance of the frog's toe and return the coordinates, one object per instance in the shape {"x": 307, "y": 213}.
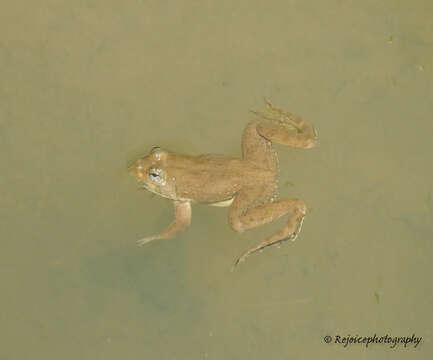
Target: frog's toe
{"x": 239, "y": 260}
{"x": 144, "y": 241}
{"x": 141, "y": 242}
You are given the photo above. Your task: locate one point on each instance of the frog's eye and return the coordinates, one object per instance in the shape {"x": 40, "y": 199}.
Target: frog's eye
{"x": 156, "y": 175}
{"x": 158, "y": 154}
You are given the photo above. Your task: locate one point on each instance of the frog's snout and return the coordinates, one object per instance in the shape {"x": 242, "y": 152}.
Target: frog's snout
{"x": 137, "y": 170}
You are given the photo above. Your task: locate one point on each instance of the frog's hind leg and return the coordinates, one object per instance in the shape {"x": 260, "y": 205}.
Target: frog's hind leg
{"x": 253, "y": 207}
{"x": 285, "y": 128}
{"x": 257, "y": 149}
{"x": 290, "y": 231}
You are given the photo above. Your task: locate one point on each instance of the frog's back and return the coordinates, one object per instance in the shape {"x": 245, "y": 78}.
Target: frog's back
{"x": 211, "y": 178}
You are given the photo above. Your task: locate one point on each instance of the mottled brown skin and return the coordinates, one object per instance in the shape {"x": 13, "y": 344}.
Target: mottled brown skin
{"x": 247, "y": 185}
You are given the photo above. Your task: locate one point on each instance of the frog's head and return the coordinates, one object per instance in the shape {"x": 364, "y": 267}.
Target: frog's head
{"x": 149, "y": 171}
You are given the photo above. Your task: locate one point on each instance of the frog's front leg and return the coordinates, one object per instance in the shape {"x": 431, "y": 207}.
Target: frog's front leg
{"x": 243, "y": 217}
{"x": 181, "y": 221}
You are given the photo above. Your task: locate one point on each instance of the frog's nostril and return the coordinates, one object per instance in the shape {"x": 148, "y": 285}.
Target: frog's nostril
{"x": 132, "y": 170}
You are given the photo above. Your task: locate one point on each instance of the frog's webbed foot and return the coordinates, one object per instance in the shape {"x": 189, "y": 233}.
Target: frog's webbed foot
{"x": 181, "y": 221}
{"x": 285, "y": 128}
{"x": 275, "y": 113}
{"x": 146, "y": 240}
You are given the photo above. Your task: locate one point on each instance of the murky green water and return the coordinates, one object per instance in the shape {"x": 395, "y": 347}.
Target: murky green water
{"x": 87, "y": 86}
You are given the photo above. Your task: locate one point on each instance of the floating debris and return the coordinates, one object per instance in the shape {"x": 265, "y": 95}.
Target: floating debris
{"x": 377, "y": 296}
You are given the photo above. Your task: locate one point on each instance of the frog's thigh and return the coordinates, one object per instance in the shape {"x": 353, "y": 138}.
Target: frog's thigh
{"x": 257, "y": 149}
{"x": 252, "y": 207}
{"x": 267, "y": 213}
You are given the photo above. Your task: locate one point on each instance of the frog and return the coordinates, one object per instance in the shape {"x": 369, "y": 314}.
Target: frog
{"x": 247, "y": 185}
